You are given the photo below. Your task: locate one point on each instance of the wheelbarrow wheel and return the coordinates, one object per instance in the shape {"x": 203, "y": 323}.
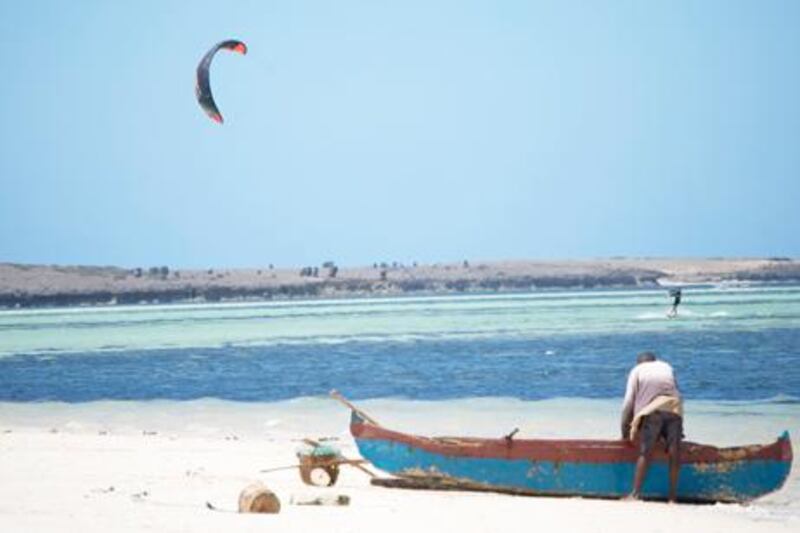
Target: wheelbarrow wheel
{"x": 319, "y": 476}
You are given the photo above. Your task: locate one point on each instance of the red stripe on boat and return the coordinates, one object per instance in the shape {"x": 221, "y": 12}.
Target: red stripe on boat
{"x": 578, "y": 451}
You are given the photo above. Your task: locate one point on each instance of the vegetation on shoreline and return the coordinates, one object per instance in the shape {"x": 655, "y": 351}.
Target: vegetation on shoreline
{"x": 40, "y": 285}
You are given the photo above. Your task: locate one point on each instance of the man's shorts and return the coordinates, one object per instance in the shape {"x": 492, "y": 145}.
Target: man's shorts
{"x": 658, "y": 425}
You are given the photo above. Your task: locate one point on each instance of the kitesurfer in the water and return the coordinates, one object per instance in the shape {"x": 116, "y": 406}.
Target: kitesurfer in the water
{"x": 675, "y": 294}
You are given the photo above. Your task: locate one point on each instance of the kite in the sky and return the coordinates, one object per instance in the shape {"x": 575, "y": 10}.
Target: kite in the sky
{"x": 203, "y": 87}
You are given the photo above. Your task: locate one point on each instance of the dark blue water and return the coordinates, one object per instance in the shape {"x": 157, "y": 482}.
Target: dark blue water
{"x": 743, "y": 365}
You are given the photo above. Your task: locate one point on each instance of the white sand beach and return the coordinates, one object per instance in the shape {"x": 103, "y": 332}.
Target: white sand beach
{"x": 153, "y": 466}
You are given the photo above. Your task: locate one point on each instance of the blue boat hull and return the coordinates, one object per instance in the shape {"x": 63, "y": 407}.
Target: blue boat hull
{"x": 601, "y": 469}
{"x": 743, "y": 481}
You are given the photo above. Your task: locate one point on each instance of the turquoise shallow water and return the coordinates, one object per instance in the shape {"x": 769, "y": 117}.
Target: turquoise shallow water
{"x": 734, "y": 344}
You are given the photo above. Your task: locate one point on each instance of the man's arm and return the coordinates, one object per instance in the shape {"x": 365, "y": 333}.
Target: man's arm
{"x": 675, "y": 381}
{"x": 627, "y": 418}
{"x": 627, "y": 405}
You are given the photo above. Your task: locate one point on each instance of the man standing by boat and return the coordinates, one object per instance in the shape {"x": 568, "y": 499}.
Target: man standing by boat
{"x": 653, "y": 409}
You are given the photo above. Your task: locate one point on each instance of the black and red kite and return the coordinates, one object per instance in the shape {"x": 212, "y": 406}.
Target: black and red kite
{"x": 203, "y": 87}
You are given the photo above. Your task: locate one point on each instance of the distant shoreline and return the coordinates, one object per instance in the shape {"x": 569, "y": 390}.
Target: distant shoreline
{"x": 23, "y": 286}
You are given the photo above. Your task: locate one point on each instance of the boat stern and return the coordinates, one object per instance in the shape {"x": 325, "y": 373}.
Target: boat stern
{"x": 785, "y": 447}
{"x": 356, "y": 421}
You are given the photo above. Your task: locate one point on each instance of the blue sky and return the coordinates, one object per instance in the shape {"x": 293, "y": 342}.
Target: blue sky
{"x": 427, "y": 131}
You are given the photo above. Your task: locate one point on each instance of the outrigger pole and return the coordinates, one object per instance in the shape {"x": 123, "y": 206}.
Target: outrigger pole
{"x": 337, "y": 396}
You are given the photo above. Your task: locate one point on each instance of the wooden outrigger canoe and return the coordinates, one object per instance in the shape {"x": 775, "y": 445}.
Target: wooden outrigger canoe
{"x": 587, "y": 468}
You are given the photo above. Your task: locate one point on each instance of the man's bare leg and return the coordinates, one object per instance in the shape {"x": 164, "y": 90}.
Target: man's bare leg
{"x": 674, "y": 470}
{"x": 641, "y": 471}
